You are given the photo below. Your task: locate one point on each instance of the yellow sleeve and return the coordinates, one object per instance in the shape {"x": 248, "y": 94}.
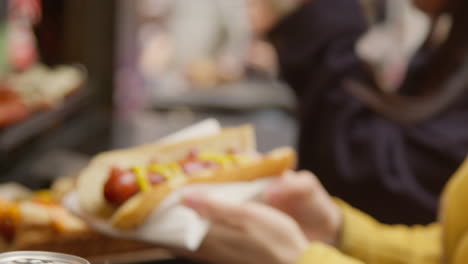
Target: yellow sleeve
{"x": 454, "y": 217}
{"x": 366, "y": 239}
{"x": 324, "y": 254}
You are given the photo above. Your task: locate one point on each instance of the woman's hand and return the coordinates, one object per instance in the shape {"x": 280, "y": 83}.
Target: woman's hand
{"x": 247, "y": 233}
{"x": 300, "y": 195}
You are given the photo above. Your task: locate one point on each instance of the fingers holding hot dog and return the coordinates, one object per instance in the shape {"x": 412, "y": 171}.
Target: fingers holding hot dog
{"x": 300, "y": 195}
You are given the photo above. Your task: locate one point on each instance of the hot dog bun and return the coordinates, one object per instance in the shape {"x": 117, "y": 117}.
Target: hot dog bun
{"x": 135, "y": 211}
{"x": 92, "y": 179}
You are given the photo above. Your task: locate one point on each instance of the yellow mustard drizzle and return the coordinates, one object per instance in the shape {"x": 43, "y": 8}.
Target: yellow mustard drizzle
{"x": 225, "y": 161}
{"x": 160, "y": 169}
{"x": 169, "y": 171}
{"x": 142, "y": 178}
{"x": 173, "y": 171}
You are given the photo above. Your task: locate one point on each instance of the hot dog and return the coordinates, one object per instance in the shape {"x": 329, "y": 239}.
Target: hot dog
{"x": 122, "y": 184}
{"x": 125, "y": 186}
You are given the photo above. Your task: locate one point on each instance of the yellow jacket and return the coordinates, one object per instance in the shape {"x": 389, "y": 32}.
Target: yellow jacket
{"x": 364, "y": 240}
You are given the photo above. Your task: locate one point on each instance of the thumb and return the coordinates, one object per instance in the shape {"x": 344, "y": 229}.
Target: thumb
{"x": 290, "y": 186}
{"x": 215, "y": 210}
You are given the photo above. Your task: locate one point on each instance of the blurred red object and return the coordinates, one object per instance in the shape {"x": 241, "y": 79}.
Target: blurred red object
{"x": 22, "y": 16}
{"x": 26, "y": 9}
{"x": 12, "y": 110}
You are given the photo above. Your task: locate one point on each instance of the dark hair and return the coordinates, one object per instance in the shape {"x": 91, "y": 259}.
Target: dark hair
{"x": 446, "y": 78}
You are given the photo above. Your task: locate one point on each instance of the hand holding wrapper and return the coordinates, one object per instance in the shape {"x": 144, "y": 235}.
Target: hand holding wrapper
{"x": 175, "y": 225}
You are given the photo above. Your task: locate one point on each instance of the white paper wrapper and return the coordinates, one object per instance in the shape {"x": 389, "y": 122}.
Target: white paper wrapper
{"x": 171, "y": 223}
{"x": 204, "y": 128}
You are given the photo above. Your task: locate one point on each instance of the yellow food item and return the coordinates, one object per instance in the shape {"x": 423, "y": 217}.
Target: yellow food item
{"x": 142, "y": 178}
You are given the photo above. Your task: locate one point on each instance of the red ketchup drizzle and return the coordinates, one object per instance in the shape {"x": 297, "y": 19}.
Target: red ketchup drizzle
{"x": 192, "y": 164}
{"x": 155, "y": 178}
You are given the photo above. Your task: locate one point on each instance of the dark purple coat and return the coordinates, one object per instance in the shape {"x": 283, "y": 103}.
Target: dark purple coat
{"x": 393, "y": 171}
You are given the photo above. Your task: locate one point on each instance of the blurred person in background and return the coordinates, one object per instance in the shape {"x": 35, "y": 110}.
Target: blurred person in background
{"x": 198, "y": 43}
{"x": 382, "y": 132}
